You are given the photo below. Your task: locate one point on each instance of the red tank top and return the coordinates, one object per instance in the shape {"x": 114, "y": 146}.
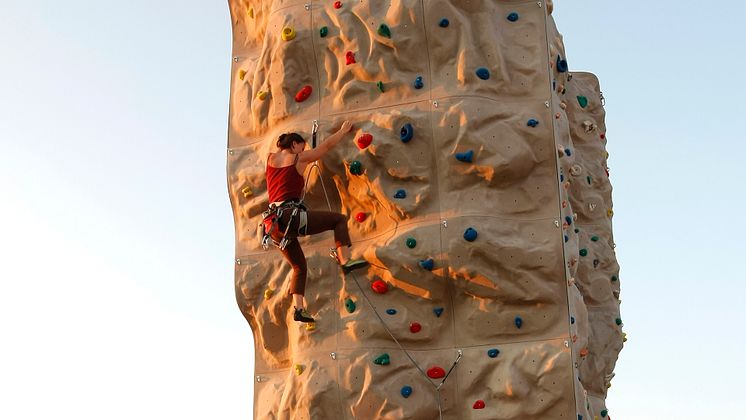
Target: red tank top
{"x": 284, "y": 183}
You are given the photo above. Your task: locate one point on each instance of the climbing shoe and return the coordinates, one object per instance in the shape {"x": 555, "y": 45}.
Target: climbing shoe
{"x": 301, "y": 315}
{"x": 353, "y": 265}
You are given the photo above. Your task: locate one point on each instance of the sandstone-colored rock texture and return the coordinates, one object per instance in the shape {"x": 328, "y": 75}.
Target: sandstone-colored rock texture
{"x": 507, "y": 144}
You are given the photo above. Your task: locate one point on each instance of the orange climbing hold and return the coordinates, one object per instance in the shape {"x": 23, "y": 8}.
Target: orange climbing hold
{"x": 379, "y": 286}
{"x": 303, "y": 94}
{"x": 364, "y": 141}
{"x": 436, "y": 372}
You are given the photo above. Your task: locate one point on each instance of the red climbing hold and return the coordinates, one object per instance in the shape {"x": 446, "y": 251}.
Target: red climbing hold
{"x": 478, "y": 405}
{"x": 360, "y": 217}
{"x": 337, "y": 4}
{"x": 415, "y": 327}
{"x": 303, "y": 94}
{"x": 350, "y": 57}
{"x": 436, "y": 372}
{"x": 364, "y": 141}
{"x": 379, "y": 286}
{"x": 603, "y": 136}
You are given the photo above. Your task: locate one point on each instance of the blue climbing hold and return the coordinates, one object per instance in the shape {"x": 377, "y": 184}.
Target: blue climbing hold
{"x": 568, "y": 219}
{"x": 470, "y": 234}
{"x": 465, "y": 157}
{"x": 518, "y": 322}
{"x": 438, "y": 312}
{"x": 532, "y": 123}
{"x": 568, "y": 152}
{"x": 418, "y": 83}
{"x": 513, "y": 17}
{"x": 444, "y": 23}
{"x": 562, "y": 177}
{"x": 561, "y": 65}
{"x": 572, "y": 320}
{"x": 406, "y": 391}
{"x": 400, "y": 194}
{"x": 483, "y": 73}
{"x": 391, "y": 311}
{"x": 566, "y": 238}
{"x": 427, "y": 264}
{"x": 407, "y": 132}
{"x": 493, "y": 353}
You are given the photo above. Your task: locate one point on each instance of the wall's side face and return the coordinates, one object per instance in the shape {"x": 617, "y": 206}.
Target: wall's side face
{"x": 507, "y": 290}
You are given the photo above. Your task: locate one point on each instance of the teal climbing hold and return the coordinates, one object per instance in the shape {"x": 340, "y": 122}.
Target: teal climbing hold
{"x": 443, "y": 23}
{"x": 493, "y": 353}
{"x": 384, "y": 30}
{"x": 466, "y": 157}
{"x": 483, "y": 73}
{"x": 350, "y": 305}
{"x": 400, "y": 194}
{"x": 572, "y": 320}
{"x": 614, "y": 278}
{"x": 438, "y": 311}
{"x": 406, "y": 133}
{"x": 411, "y": 243}
{"x": 427, "y": 264}
{"x": 589, "y": 179}
{"x": 518, "y": 322}
{"x": 583, "y": 252}
{"x": 356, "y": 168}
{"x": 532, "y": 123}
{"x": 582, "y": 101}
{"x": 406, "y": 391}
{"x": 618, "y": 321}
{"x": 324, "y": 31}
{"x": 594, "y": 238}
{"x": 391, "y": 311}
{"x": 418, "y": 83}
{"x": 383, "y": 359}
{"x": 604, "y": 412}
{"x": 561, "y": 65}
{"x": 470, "y": 234}
{"x": 513, "y": 17}
{"x": 380, "y": 86}
{"x": 568, "y": 219}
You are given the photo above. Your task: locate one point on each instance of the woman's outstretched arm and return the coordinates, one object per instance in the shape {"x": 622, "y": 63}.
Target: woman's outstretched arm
{"x": 329, "y": 143}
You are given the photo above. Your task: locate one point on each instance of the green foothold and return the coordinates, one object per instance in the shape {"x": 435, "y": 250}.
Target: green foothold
{"x": 324, "y": 31}
{"x": 583, "y": 101}
{"x": 383, "y": 359}
{"x": 590, "y": 180}
{"x": 577, "y": 230}
{"x": 384, "y": 30}
{"x": 350, "y": 305}
{"x": 594, "y": 238}
{"x": 614, "y": 278}
{"x": 356, "y": 168}
{"x": 380, "y": 86}
{"x": 411, "y": 243}
{"x": 619, "y": 321}
{"x": 604, "y": 412}
{"x": 583, "y": 252}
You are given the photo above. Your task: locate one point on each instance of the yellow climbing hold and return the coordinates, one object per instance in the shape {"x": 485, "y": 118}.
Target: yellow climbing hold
{"x": 288, "y": 33}
{"x": 262, "y": 95}
{"x": 298, "y": 369}
{"x": 311, "y": 326}
{"x": 609, "y": 212}
{"x": 268, "y": 293}
{"x": 241, "y": 74}
{"x": 624, "y": 337}
{"x": 251, "y": 12}
{"x": 246, "y": 191}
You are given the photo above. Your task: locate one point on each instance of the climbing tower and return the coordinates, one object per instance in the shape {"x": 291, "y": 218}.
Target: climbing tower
{"x": 476, "y": 185}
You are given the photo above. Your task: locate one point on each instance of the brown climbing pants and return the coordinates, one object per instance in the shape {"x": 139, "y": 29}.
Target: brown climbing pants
{"x": 317, "y": 222}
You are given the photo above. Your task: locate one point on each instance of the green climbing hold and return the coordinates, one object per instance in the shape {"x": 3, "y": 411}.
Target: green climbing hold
{"x": 356, "y": 168}
{"x": 411, "y": 243}
{"x": 324, "y": 31}
{"x": 604, "y": 412}
{"x": 583, "y": 252}
{"x": 583, "y": 101}
{"x": 614, "y": 278}
{"x": 350, "y": 305}
{"x": 384, "y": 30}
{"x": 589, "y": 179}
{"x": 618, "y": 321}
{"x": 594, "y": 238}
{"x": 383, "y": 359}
{"x": 380, "y": 86}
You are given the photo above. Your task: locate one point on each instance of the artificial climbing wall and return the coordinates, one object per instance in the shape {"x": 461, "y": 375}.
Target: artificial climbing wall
{"x": 476, "y": 185}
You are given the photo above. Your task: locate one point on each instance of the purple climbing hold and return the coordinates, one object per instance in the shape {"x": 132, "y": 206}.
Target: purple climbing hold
{"x": 466, "y": 157}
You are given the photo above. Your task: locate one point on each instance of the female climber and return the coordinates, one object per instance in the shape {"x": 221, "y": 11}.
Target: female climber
{"x": 290, "y": 219}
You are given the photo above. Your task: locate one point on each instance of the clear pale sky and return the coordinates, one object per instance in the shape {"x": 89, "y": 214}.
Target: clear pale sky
{"x": 116, "y": 234}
